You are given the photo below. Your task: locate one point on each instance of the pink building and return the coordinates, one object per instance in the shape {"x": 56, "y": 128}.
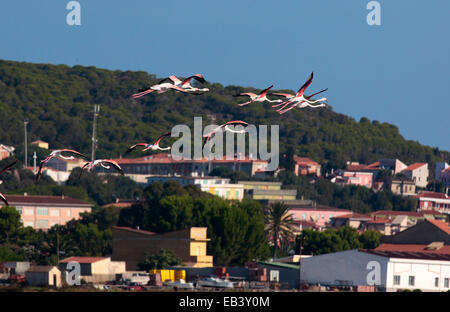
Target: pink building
{"x": 345, "y": 177}
{"x": 305, "y": 166}
{"x": 6, "y": 151}
{"x": 434, "y": 201}
{"x": 319, "y": 215}
{"x": 43, "y": 212}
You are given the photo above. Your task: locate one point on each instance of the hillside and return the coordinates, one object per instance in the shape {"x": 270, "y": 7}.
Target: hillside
{"x": 58, "y": 101}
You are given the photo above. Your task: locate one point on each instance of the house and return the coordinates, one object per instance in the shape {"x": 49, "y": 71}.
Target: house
{"x": 265, "y": 191}
{"x": 418, "y": 173}
{"x": 213, "y": 185}
{"x": 42, "y": 212}
{"x": 346, "y": 177}
{"x": 6, "y": 151}
{"x": 305, "y": 166}
{"x": 320, "y": 215}
{"x": 433, "y": 201}
{"x": 95, "y": 269}
{"x": 17, "y": 267}
{"x": 131, "y": 245}
{"x": 400, "y": 186}
{"x": 445, "y": 178}
{"x": 43, "y": 276}
{"x": 439, "y": 168}
{"x": 40, "y": 144}
{"x": 383, "y": 270}
{"x": 164, "y": 164}
{"x": 423, "y": 233}
{"x": 394, "y": 165}
{"x": 354, "y": 220}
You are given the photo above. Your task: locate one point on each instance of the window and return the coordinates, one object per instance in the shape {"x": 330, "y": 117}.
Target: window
{"x": 54, "y": 212}
{"x": 228, "y": 194}
{"x": 411, "y": 281}
{"x": 396, "y": 279}
{"x": 28, "y": 223}
{"x": 28, "y": 212}
{"x": 42, "y": 224}
{"x": 68, "y": 212}
{"x": 42, "y": 211}
{"x": 19, "y": 209}
{"x": 446, "y": 282}
{"x": 330, "y": 216}
{"x": 304, "y": 216}
{"x": 436, "y": 282}
{"x": 323, "y": 216}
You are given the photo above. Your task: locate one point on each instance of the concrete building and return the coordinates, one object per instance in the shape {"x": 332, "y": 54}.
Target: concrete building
{"x": 131, "y": 245}
{"x": 439, "y": 168}
{"x": 264, "y": 191}
{"x": 418, "y": 173}
{"x": 6, "y": 151}
{"x": 17, "y": 267}
{"x": 423, "y": 233}
{"x": 388, "y": 271}
{"x": 213, "y": 185}
{"x": 95, "y": 269}
{"x": 305, "y": 166}
{"x": 320, "y": 215}
{"x": 400, "y": 186}
{"x": 42, "y": 212}
{"x": 40, "y": 144}
{"x": 346, "y": 177}
{"x": 394, "y": 165}
{"x": 43, "y": 276}
{"x": 434, "y": 201}
{"x": 445, "y": 178}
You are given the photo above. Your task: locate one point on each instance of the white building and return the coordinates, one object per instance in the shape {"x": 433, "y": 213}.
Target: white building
{"x": 390, "y": 270}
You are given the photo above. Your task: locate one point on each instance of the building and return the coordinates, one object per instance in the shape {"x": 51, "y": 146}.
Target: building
{"x": 164, "y": 164}
{"x": 40, "y": 144}
{"x": 132, "y": 245}
{"x": 43, "y": 276}
{"x": 346, "y": 177}
{"x": 305, "y": 166}
{"x": 400, "y": 186}
{"x": 418, "y": 173}
{"x": 386, "y": 270}
{"x": 6, "y": 151}
{"x": 17, "y": 267}
{"x": 445, "y": 178}
{"x": 123, "y": 203}
{"x": 394, "y": 165}
{"x": 213, "y": 185}
{"x": 95, "y": 269}
{"x": 440, "y": 167}
{"x": 264, "y": 191}
{"x": 423, "y": 233}
{"x": 42, "y": 212}
{"x": 434, "y": 201}
{"x": 320, "y": 215}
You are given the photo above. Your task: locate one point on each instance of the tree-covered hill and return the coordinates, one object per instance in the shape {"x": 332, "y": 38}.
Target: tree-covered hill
{"x": 58, "y": 101}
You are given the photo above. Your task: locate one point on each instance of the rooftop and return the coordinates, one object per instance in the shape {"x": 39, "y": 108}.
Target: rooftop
{"x": 441, "y": 225}
{"x": 414, "y": 166}
{"x": 165, "y": 158}
{"x": 45, "y": 200}
{"x": 129, "y": 229}
{"x": 83, "y": 259}
{"x": 40, "y": 268}
{"x": 305, "y": 160}
{"x": 409, "y": 255}
{"x": 431, "y": 195}
{"x": 445, "y": 249}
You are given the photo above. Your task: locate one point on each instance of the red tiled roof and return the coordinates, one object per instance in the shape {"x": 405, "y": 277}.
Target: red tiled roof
{"x": 379, "y": 220}
{"x": 165, "y": 158}
{"x": 44, "y": 200}
{"x": 306, "y": 223}
{"x": 124, "y": 228}
{"x": 375, "y": 165}
{"x": 353, "y": 216}
{"x": 357, "y": 167}
{"x": 316, "y": 208}
{"x": 413, "y": 248}
{"x": 414, "y": 166}
{"x": 431, "y": 195}
{"x": 404, "y": 213}
{"x": 441, "y": 225}
{"x": 82, "y": 259}
{"x": 305, "y": 160}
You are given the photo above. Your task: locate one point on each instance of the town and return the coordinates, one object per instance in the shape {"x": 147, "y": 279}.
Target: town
{"x": 412, "y": 249}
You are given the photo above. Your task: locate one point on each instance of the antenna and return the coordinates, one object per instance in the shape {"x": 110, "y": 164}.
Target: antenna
{"x": 94, "y": 134}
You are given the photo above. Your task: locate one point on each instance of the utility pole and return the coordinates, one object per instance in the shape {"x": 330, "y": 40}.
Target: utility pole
{"x": 94, "y": 138}
{"x": 34, "y": 162}
{"x": 300, "y": 260}
{"x": 25, "y": 123}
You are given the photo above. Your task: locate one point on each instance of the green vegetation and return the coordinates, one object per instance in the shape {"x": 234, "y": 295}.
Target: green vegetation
{"x": 58, "y": 101}
{"x": 279, "y": 225}
{"x": 162, "y": 260}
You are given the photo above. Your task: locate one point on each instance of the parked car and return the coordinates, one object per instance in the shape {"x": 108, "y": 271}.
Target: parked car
{"x": 215, "y": 282}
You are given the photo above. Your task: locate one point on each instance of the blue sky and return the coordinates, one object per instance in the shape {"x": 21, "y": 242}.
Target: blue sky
{"x": 398, "y": 72}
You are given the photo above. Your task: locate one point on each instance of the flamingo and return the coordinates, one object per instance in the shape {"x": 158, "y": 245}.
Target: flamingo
{"x": 186, "y": 84}
{"x": 105, "y": 163}
{"x": 161, "y": 87}
{"x": 225, "y": 127}
{"x": 58, "y": 154}
{"x": 2, "y": 197}
{"x": 260, "y": 97}
{"x": 302, "y": 105}
{"x": 289, "y": 96}
{"x": 153, "y": 147}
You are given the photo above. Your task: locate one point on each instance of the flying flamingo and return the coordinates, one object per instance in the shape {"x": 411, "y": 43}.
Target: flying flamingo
{"x": 260, "y": 97}
{"x": 225, "y": 127}
{"x": 105, "y": 163}
{"x": 2, "y": 197}
{"x": 58, "y": 154}
{"x": 153, "y": 147}
{"x": 161, "y": 87}
{"x": 186, "y": 84}
{"x": 289, "y": 96}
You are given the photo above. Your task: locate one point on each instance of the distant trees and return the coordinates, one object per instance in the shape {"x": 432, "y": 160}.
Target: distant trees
{"x": 279, "y": 224}
{"x": 163, "y": 259}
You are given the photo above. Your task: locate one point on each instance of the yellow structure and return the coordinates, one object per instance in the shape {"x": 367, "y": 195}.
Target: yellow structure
{"x": 40, "y": 144}
{"x": 132, "y": 245}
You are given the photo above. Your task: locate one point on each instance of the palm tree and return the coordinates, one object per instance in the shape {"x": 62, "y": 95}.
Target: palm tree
{"x": 279, "y": 223}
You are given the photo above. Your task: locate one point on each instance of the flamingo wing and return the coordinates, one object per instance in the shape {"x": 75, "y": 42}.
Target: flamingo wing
{"x": 162, "y": 137}
{"x": 9, "y": 166}
{"x": 249, "y": 94}
{"x": 134, "y": 146}
{"x": 235, "y": 122}
{"x": 198, "y": 77}
{"x": 39, "y": 173}
{"x": 310, "y": 96}
{"x": 286, "y": 95}
{"x": 3, "y": 199}
{"x": 177, "y": 88}
{"x": 142, "y": 93}
{"x": 74, "y": 152}
{"x": 305, "y": 85}
{"x": 114, "y": 164}
{"x": 263, "y": 92}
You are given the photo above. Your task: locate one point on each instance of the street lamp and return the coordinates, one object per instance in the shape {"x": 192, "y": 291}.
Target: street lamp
{"x": 25, "y": 123}
{"x": 300, "y": 260}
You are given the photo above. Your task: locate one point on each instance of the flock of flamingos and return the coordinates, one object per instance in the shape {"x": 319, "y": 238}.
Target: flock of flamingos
{"x": 290, "y": 101}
